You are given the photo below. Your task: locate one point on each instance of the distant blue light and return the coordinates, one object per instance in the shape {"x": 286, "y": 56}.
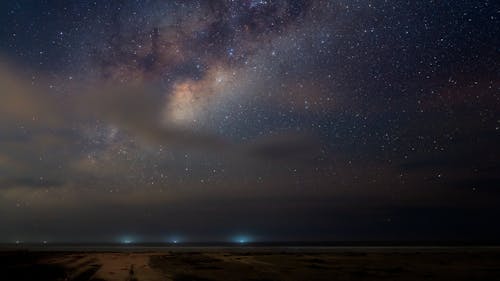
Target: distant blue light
{"x": 242, "y": 239}
{"x": 126, "y": 240}
{"x": 174, "y": 239}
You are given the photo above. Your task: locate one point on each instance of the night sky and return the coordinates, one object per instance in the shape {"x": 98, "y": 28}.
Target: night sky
{"x": 249, "y": 120}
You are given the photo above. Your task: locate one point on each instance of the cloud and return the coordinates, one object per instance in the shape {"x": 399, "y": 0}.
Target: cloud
{"x": 29, "y": 182}
{"x": 23, "y": 105}
{"x": 27, "y": 113}
{"x": 54, "y": 149}
{"x": 286, "y": 146}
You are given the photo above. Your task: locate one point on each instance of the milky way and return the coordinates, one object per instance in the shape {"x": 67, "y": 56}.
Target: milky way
{"x": 275, "y": 120}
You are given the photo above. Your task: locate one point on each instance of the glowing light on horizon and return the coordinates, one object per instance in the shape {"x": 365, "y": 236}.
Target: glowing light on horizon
{"x": 242, "y": 239}
{"x": 126, "y": 240}
{"x": 174, "y": 240}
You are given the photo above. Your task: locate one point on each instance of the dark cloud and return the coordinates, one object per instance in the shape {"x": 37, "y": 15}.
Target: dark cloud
{"x": 286, "y": 147}
{"x": 30, "y": 182}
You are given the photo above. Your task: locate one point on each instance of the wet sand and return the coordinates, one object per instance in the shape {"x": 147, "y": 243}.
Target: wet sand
{"x": 253, "y": 264}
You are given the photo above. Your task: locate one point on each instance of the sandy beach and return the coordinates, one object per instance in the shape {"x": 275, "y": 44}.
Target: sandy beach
{"x": 278, "y": 264}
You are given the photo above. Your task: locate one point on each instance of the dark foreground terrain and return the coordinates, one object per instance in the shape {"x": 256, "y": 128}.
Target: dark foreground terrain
{"x": 205, "y": 265}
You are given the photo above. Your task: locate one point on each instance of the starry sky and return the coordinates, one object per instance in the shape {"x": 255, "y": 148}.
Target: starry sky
{"x": 270, "y": 120}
